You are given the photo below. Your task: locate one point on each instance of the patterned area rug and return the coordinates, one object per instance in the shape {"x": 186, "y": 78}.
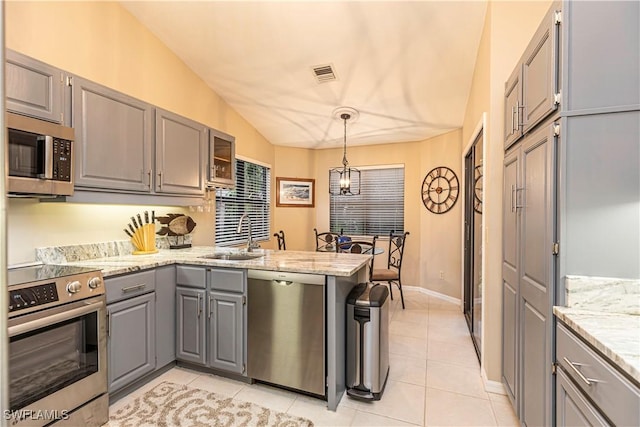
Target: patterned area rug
{"x": 174, "y": 405}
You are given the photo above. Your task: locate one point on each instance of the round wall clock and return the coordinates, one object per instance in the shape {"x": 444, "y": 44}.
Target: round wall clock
{"x": 477, "y": 190}
{"x": 440, "y": 190}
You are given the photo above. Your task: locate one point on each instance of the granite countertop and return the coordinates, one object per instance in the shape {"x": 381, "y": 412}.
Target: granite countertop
{"x": 604, "y": 312}
{"x": 327, "y": 263}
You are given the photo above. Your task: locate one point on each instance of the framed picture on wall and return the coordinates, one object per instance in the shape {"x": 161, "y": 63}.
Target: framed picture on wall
{"x": 295, "y": 192}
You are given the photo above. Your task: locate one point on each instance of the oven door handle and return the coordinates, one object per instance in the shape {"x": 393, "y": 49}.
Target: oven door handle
{"x": 54, "y": 318}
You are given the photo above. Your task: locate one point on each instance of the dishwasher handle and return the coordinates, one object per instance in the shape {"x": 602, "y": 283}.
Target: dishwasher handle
{"x": 279, "y": 276}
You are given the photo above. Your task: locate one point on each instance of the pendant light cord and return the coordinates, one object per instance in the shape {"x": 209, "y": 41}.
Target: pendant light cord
{"x": 345, "y": 117}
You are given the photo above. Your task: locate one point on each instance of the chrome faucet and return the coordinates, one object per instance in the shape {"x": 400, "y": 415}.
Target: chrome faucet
{"x": 251, "y": 245}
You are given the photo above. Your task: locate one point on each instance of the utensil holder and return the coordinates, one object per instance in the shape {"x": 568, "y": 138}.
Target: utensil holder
{"x": 144, "y": 240}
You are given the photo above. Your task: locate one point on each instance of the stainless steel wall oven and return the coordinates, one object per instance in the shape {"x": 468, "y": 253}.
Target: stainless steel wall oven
{"x": 57, "y": 346}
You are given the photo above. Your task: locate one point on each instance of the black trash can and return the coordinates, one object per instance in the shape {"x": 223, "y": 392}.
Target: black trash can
{"x": 367, "y": 341}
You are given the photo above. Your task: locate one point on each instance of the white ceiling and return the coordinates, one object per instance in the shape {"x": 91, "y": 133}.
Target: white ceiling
{"x": 406, "y": 67}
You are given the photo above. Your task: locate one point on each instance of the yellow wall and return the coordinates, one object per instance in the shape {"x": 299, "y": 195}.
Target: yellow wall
{"x": 434, "y": 242}
{"x": 508, "y": 28}
{"x": 102, "y": 42}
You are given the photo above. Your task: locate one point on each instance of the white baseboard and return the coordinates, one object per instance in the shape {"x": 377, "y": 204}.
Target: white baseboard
{"x": 491, "y": 386}
{"x": 434, "y": 294}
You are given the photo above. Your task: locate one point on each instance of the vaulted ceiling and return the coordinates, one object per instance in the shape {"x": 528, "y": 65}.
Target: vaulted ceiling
{"x": 406, "y": 67}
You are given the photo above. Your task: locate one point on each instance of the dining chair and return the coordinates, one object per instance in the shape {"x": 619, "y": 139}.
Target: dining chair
{"x": 392, "y": 274}
{"x": 282, "y": 246}
{"x": 360, "y": 247}
{"x": 326, "y": 241}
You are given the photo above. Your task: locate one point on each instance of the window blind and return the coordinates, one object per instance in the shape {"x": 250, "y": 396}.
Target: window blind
{"x": 378, "y": 209}
{"x": 251, "y": 195}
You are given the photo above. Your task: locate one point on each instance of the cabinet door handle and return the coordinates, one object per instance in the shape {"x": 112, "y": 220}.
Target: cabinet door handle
{"x": 572, "y": 365}
{"x": 210, "y": 307}
{"x": 134, "y": 288}
{"x": 199, "y": 306}
{"x": 108, "y": 323}
{"x": 513, "y": 114}
{"x": 160, "y": 179}
{"x": 513, "y": 190}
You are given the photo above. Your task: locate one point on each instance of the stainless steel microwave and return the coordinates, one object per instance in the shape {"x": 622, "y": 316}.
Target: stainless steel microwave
{"x": 40, "y": 157}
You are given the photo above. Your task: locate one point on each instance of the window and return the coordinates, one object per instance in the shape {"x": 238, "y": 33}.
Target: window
{"x": 378, "y": 209}
{"x": 251, "y": 195}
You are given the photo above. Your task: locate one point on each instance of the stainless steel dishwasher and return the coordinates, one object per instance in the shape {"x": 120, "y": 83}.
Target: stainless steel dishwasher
{"x": 286, "y": 329}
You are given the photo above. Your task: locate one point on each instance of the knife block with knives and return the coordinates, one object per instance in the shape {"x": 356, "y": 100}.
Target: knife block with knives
{"x": 143, "y": 234}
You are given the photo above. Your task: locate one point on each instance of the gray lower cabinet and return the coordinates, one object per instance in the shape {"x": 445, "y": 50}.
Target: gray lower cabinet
{"x": 34, "y": 88}
{"x": 211, "y": 317}
{"x": 529, "y": 266}
{"x": 131, "y": 340}
{"x": 226, "y": 331}
{"x": 190, "y": 325}
{"x": 180, "y": 154}
{"x": 572, "y": 408}
{"x": 591, "y": 391}
{"x": 165, "y": 318}
{"x": 113, "y": 138}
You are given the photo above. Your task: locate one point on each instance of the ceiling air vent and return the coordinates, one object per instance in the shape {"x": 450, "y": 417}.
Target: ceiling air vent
{"x": 324, "y": 73}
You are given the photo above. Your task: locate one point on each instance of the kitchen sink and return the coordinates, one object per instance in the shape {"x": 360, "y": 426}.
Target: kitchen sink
{"x": 233, "y": 257}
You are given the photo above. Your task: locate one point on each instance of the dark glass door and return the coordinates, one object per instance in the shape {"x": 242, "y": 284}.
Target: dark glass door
{"x": 473, "y": 187}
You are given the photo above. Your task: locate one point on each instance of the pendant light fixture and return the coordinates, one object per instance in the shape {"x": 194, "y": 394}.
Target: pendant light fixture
{"x": 348, "y": 178}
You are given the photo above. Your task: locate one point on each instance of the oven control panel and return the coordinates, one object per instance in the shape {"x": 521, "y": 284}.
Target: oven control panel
{"x": 20, "y": 299}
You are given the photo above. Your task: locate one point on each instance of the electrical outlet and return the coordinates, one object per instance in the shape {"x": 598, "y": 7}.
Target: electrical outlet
{"x": 441, "y": 275}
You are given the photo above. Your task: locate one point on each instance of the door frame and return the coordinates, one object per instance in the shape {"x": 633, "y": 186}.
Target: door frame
{"x": 481, "y": 127}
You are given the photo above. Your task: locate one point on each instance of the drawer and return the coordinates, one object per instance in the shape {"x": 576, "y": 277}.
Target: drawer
{"x": 194, "y": 277}
{"x": 613, "y": 394}
{"x": 130, "y": 285}
{"x": 225, "y": 279}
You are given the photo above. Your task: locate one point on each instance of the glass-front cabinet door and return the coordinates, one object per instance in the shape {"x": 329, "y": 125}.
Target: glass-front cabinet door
{"x": 221, "y": 159}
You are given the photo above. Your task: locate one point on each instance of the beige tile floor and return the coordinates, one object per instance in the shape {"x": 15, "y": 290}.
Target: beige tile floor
{"x": 434, "y": 378}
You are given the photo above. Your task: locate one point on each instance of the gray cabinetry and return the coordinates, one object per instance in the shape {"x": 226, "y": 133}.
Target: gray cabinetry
{"x": 211, "y": 317}
{"x": 601, "y": 68}
{"x": 190, "y": 326}
{"x": 528, "y": 273}
{"x": 222, "y": 160}
{"x": 226, "y": 331}
{"x": 540, "y": 65}
{"x": 113, "y": 138}
{"x": 532, "y": 92}
{"x": 165, "y": 317}
{"x": 510, "y": 282}
{"x": 34, "y": 88}
{"x": 512, "y": 107}
{"x": 190, "y": 314}
{"x": 594, "y": 379}
{"x": 572, "y": 409}
{"x": 131, "y": 336}
{"x": 227, "y": 325}
{"x": 179, "y": 162}
{"x": 131, "y": 340}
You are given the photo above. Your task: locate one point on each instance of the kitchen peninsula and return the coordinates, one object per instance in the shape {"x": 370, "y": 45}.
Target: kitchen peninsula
{"x": 341, "y": 271}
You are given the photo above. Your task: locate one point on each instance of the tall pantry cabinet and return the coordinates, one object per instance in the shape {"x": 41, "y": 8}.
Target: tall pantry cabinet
{"x": 573, "y": 96}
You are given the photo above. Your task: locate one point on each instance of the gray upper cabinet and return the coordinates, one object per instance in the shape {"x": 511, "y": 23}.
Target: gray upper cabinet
{"x": 180, "y": 158}
{"x": 512, "y": 108}
{"x": 34, "y": 88}
{"x": 532, "y": 92}
{"x": 540, "y": 65}
{"x": 601, "y": 68}
{"x": 222, "y": 160}
{"x": 113, "y": 138}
